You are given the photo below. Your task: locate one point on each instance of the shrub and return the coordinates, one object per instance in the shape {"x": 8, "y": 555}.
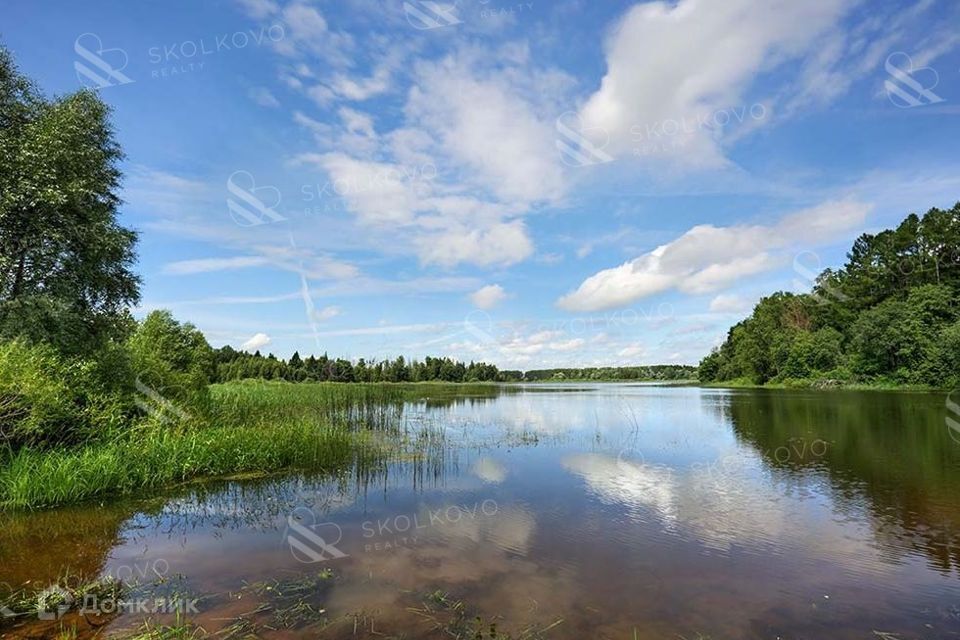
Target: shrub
{"x": 47, "y": 400}
{"x": 172, "y": 364}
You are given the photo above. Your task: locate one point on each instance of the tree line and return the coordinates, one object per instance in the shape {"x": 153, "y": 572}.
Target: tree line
{"x": 230, "y": 364}
{"x": 890, "y": 315}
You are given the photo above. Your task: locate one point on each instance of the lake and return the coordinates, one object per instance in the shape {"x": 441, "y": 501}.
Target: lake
{"x": 619, "y": 511}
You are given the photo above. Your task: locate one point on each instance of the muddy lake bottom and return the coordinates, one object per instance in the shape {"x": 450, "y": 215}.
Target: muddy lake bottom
{"x": 621, "y": 511}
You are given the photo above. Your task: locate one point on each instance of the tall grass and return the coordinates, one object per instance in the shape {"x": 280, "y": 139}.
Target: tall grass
{"x": 157, "y": 457}
{"x": 250, "y": 428}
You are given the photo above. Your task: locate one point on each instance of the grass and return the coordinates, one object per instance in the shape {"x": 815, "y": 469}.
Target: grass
{"x": 450, "y": 617}
{"x": 68, "y": 594}
{"x": 250, "y": 428}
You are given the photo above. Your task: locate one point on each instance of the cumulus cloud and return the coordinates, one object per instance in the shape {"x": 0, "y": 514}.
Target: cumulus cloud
{"x": 488, "y": 297}
{"x": 472, "y": 156}
{"x": 258, "y": 341}
{"x": 686, "y": 61}
{"x": 708, "y": 258}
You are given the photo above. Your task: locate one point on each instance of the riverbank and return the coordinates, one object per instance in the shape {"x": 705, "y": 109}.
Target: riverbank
{"x": 251, "y": 427}
{"x": 818, "y": 384}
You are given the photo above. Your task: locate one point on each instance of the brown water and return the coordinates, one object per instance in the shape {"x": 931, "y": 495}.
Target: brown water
{"x": 616, "y": 511}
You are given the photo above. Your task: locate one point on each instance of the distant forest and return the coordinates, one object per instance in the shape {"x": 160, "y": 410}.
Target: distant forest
{"x": 890, "y": 315}
{"x": 230, "y": 364}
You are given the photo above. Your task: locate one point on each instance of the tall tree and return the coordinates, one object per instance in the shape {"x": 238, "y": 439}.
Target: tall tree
{"x": 65, "y": 262}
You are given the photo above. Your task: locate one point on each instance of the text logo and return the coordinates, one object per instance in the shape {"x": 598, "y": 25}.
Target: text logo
{"x": 99, "y": 67}
{"x": 575, "y": 149}
{"x": 424, "y": 14}
{"x": 908, "y": 87}
{"x": 311, "y": 542}
{"x": 807, "y": 265}
{"x": 53, "y": 602}
{"x": 250, "y": 205}
{"x": 152, "y": 403}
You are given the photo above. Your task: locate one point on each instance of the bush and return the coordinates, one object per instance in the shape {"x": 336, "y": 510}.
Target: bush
{"x": 47, "y": 400}
{"x": 172, "y": 365}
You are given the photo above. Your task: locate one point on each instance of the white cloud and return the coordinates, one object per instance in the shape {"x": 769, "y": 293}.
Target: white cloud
{"x": 503, "y": 244}
{"x": 488, "y": 297}
{"x": 632, "y": 351}
{"x": 357, "y": 122}
{"x": 362, "y": 88}
{"x": 730, "y": 303}
{"x": 688, "y": 60}
{"x": 489, "y": 470}
{"x": 484, "y": 122}
{"x": 263, "y": 97}
{"x": 206, "y": 265}
{"x": 572, "y": 344}
{"x": 327, "y": 313}
{"x": 306, "y": 31}
{"x": 259, "y": 9}
{"x": 258, "y": 341}
{"x": 707, "y": 258}
{"x": 472, "y": 156}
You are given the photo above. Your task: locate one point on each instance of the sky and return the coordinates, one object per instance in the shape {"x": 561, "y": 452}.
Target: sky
{"x": 532, "y": 184}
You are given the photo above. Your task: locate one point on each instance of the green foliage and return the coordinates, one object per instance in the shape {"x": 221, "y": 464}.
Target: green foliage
{"x": 48, "y": 400}
{"x": 172, "y": 360}
{"x": 234, "y": 365}
{"x": 889, "y": 315}
{"x": 647, "y": 373}
{"x": 65, "y": 262}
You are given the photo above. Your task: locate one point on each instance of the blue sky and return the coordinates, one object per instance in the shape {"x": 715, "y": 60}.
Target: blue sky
{"x": 529, "y": 183}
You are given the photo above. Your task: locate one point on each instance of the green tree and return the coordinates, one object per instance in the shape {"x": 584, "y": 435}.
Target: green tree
{"x": 171, "y": 360}
{"x": 65, "y": 262}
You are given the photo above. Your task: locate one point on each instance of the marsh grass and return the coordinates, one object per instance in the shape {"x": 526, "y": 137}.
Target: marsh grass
{"x": 451, "y": 617}
{"x": 67, "y": 594}
{"x": 249, "y": 428}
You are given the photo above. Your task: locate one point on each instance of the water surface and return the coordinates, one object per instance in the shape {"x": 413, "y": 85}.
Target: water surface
{"x": 618, "y": 511}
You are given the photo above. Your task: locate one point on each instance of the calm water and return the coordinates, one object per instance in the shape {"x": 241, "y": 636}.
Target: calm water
{"x": 626, "y": 511}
